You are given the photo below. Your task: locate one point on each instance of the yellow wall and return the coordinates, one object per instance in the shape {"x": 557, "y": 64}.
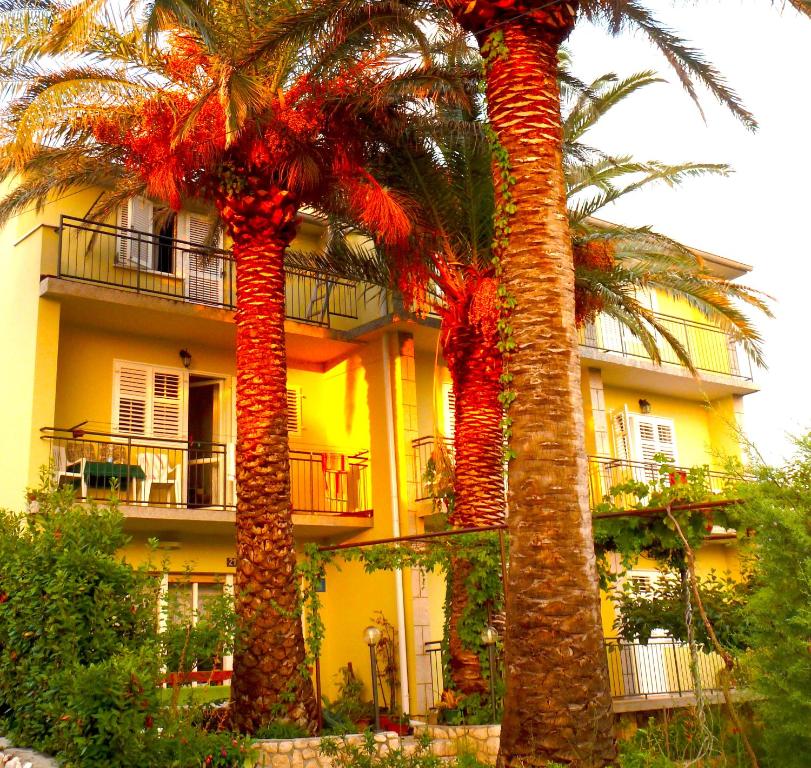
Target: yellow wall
{"x": 700, "y": 432}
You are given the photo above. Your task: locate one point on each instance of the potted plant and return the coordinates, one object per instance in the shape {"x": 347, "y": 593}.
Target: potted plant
{"x": 450, "y": 708}
{"x": 397, "y": 723}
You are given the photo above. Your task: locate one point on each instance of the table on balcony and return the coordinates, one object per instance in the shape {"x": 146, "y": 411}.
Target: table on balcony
{"x": 99, "y": 474}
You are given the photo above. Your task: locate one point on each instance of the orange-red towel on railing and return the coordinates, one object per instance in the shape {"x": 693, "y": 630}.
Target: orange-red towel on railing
{"x": 334, "y": 466}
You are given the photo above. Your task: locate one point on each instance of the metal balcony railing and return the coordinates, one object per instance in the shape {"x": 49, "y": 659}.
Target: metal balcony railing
{"x": 424, "y": 466}
{"x": 605, "y": 473}
{"x": 148, "y": 263}
{"x": 660, "y": 668}
{"x": 710, "y": 349}
{"x": 158, "y": 472}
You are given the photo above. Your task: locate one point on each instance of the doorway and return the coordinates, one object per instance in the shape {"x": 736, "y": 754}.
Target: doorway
{"x": 206, "y": 457}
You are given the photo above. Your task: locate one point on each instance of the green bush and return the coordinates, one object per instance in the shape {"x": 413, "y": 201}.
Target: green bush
{"x": 366, "y": 754}
{"x": 69, "y": 607}
{"x": 281, "y": 730}
{"x": 776, "y": 543}
{"x": 80, "y": 654}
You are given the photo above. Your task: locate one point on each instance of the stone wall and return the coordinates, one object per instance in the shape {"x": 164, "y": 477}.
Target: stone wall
{"x": 447, "y": 742}
{"x": 453, "y": 740}
{"x": 305, "y": 753}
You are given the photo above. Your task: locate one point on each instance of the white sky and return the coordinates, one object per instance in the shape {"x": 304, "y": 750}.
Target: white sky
{"x": 758, "y": 214}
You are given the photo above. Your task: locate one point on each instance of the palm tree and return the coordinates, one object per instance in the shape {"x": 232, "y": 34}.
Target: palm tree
{"x": 558, "y": 704}
{"x": 177, "y": 106}
{"x": 449, "y": 271}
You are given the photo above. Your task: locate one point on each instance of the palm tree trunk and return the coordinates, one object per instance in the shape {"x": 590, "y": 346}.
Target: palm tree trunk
{"x": 558, "y": 703}
{"x": 270, "y": 680}
{"x": 474, "y": 362}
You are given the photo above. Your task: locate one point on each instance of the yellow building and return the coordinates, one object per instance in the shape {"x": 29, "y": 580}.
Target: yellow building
{"x": 120, "y": 365}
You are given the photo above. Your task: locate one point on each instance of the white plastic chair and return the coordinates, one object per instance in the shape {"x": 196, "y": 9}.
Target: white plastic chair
{"x": 68, "y": 472}
{"x": 158, "y": 473}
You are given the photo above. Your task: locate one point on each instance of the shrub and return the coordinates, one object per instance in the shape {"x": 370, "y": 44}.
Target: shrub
{"x": 281, "y": 730}
{"x": 366, "y": 754}
{"x": 70, "y": 609}
{"x": 777, "y": 551}
{"x": 80, "y": 654}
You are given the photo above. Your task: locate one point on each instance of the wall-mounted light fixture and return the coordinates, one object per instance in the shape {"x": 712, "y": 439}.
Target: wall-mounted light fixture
{"x": 644, "y": 406}
{"x": 185, "y": 356}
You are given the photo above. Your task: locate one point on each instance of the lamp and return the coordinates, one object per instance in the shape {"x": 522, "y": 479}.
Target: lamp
{"x": 185, "y": 356}
{"x": 371, "y": 636}
{"x": 489, "y": 636}
{"x": 644, "y": 405}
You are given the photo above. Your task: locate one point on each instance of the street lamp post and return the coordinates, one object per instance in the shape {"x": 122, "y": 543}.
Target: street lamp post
{"x": 488, "y": 638}
{"x": 371, "y": 636}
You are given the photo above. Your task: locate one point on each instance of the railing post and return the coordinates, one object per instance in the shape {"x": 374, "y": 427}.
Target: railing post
{"x": 59, "y": 246}
{"x": 676, "y": 659}
{"x": 138, "y": 265}
{"x": 312, "y": 483}
{"x": 224, "y": 472}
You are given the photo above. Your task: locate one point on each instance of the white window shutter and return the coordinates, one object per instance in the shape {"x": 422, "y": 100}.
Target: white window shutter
{"x": 621, "y": 445}
{"x": 449, "y": 409}
{"x": 149, "y": 401}
{"x": 653, "y": 436}
{"x": 122, "y": 249}
{"x": 202, "y": 269}
{"x": 136, "y": 245}
{"x": 293, "y": 410}
{"x": 131, "y": 386}
{"x": 168, "y": 401}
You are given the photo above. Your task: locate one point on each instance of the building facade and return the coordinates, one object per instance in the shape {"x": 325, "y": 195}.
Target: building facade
{"x": 120, "y": 374}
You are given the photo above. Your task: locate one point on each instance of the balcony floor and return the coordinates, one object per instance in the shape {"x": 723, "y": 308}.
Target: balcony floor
{"x": 310, "y": 527}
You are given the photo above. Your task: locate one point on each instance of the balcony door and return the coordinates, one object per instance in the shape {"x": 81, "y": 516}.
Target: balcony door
{"x": 205, "y": 476}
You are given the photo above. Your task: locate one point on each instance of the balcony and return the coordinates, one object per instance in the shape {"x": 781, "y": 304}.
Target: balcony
{"x": 173, "y": 479}
{"x": 712, "y": 350}
{"x": 604, "y": 473}
{"x": 156, "y": 265}
{"x": 423, "y": 471}
{"x": 643, "y": 676}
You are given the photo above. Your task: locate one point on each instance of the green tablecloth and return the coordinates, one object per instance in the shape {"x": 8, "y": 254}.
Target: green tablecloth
{"x": 99, "y": 474}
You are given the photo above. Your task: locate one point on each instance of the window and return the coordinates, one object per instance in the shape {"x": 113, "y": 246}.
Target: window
{"x": 448, "y": 409}
{"x": 149, "y": 401}
{"x": 640, "y": 438}
{"x": 134, "y": 247}
{"x": 294, "y": 411}
{"x": 201, "y": 268}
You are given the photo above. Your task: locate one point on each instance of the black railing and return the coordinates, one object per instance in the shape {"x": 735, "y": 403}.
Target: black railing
{"x": 159, "y": 472}
{"x": 607, "y": 473}
{"x": 330, "y": 483}
{"x": 425, "y": 464}
{"x": 710, "y": 349}
{"x": 433, "y": 650}
{"x": 143, "y": 262}
{"x": 604, "y": 473}
{"x": 662, "y": 667}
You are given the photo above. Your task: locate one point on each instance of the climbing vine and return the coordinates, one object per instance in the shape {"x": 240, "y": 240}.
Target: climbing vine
{"x": 495, "y": 49}
{"x": 483, "y": 583}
